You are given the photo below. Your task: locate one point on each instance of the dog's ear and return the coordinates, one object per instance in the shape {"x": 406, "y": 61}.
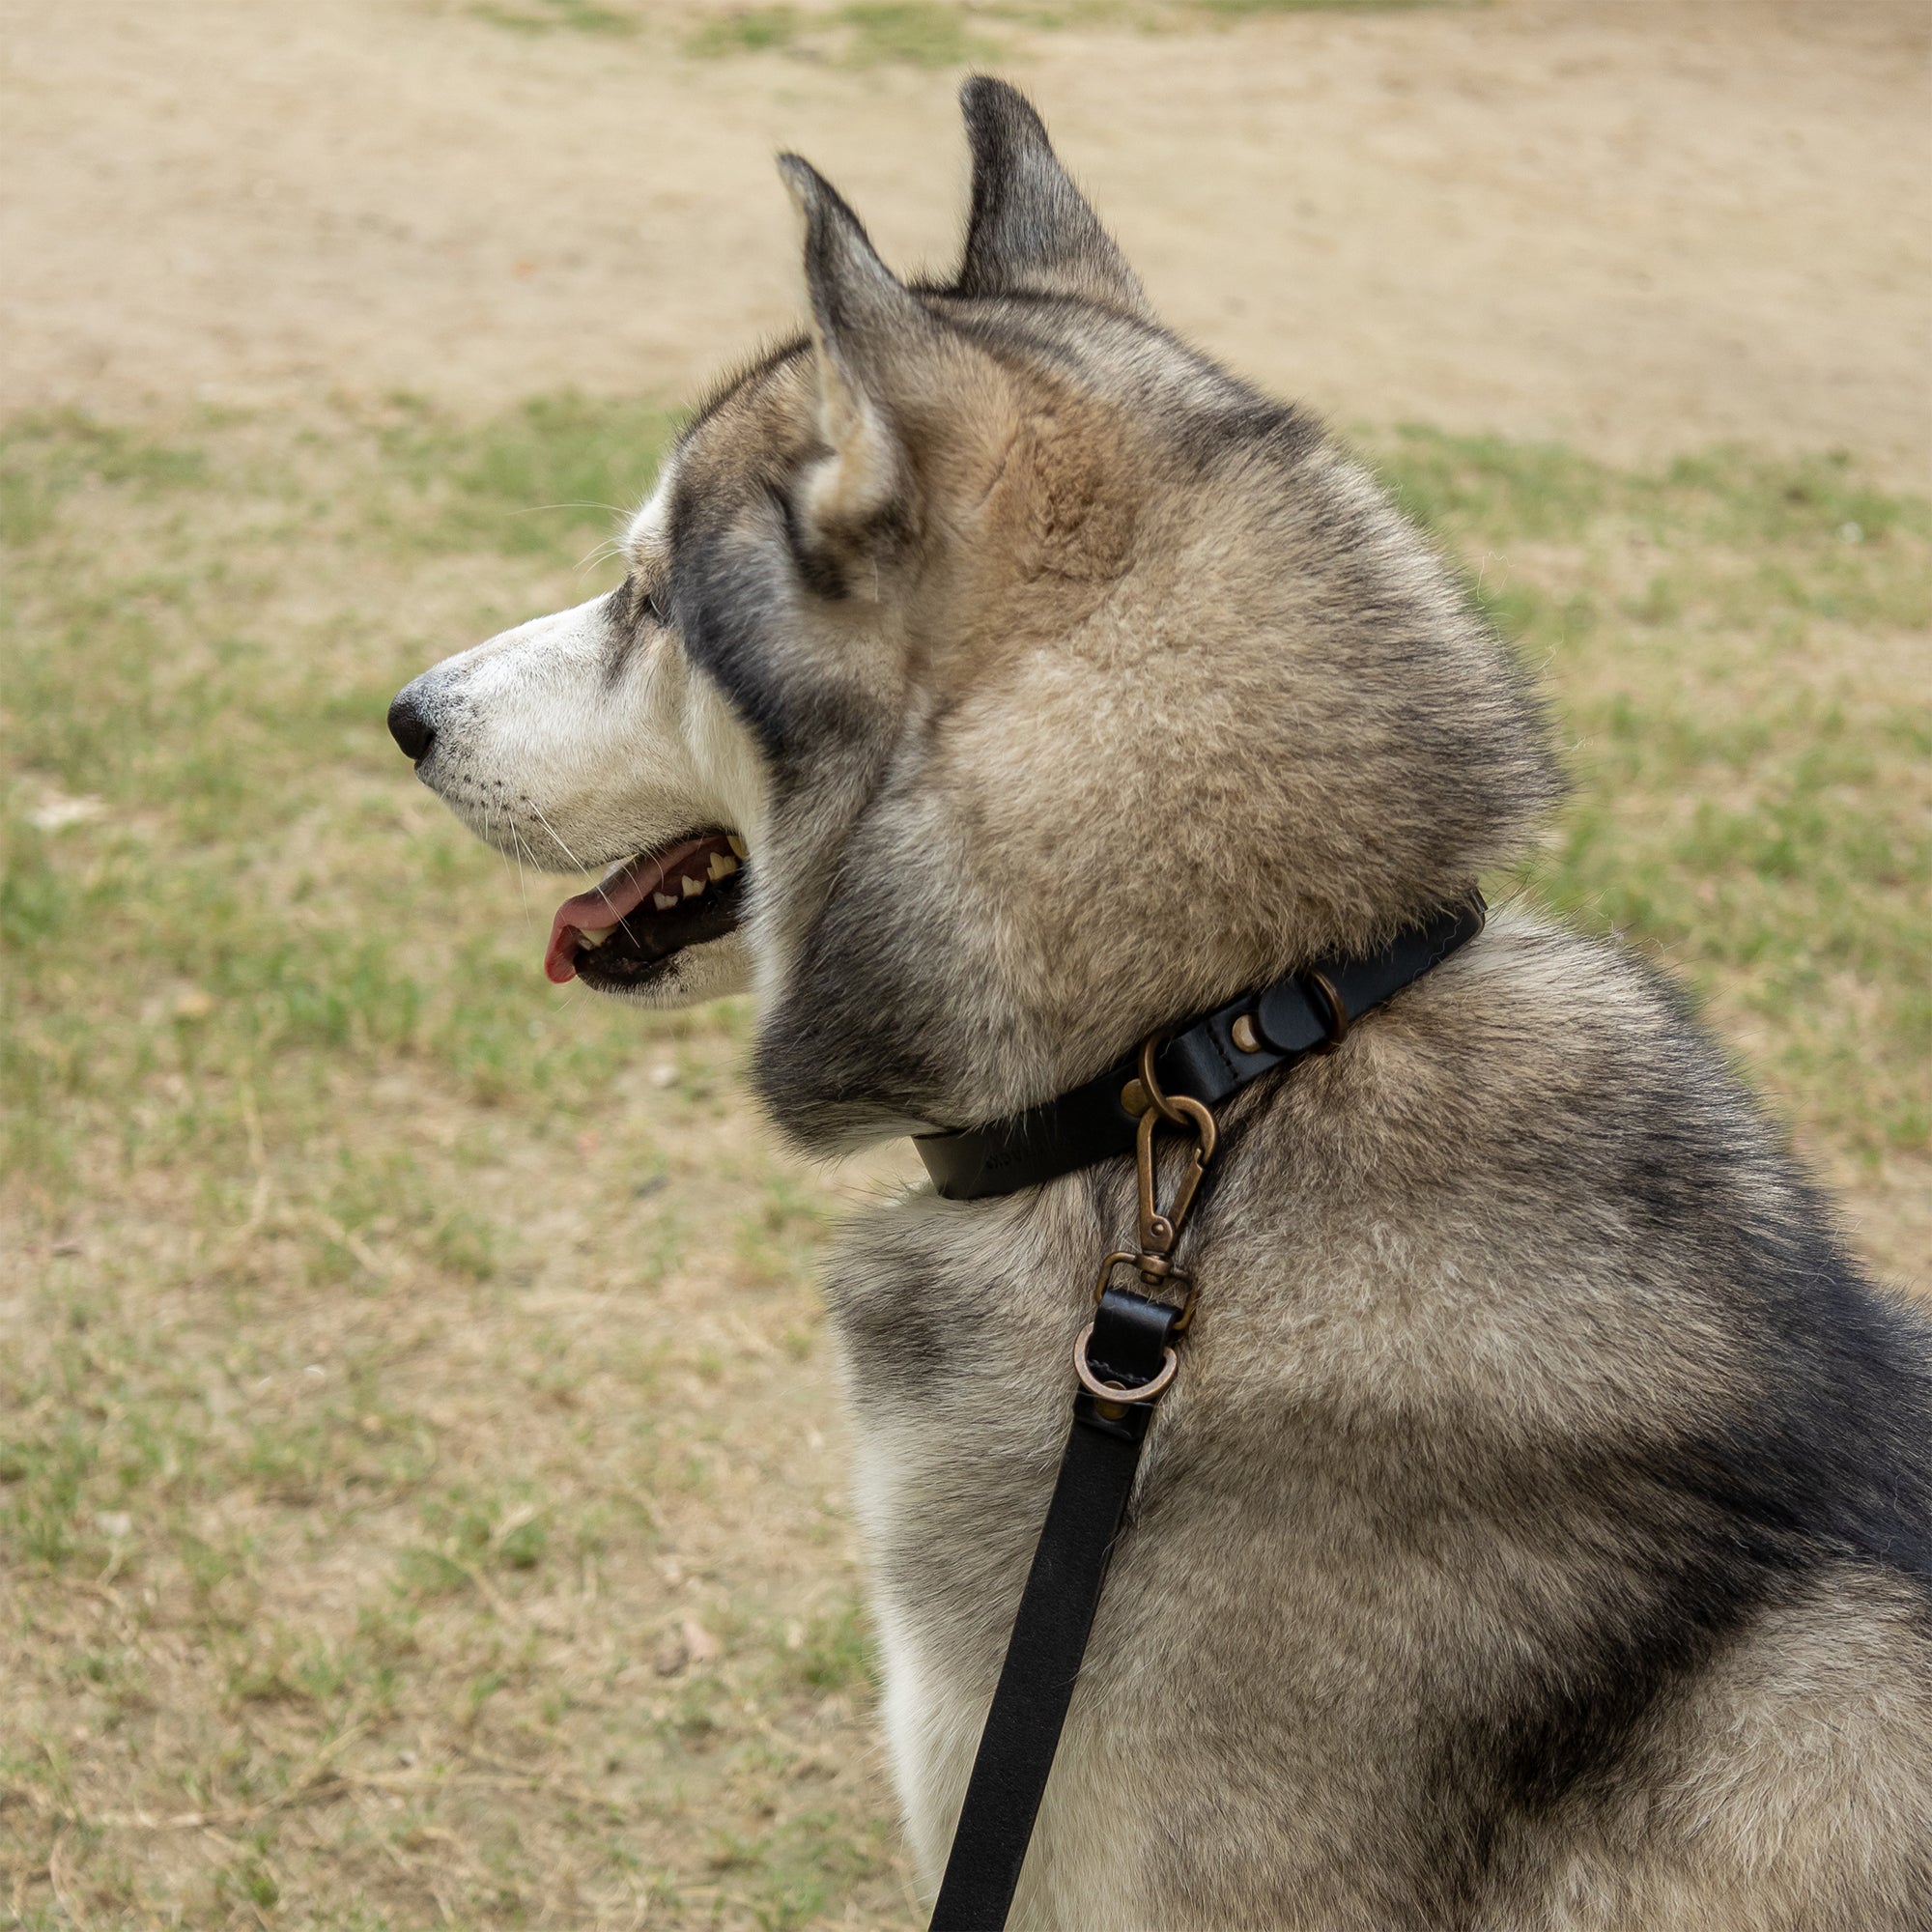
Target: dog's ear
{"x": 876, "y": 348}
{"x": 1030, "y": 231}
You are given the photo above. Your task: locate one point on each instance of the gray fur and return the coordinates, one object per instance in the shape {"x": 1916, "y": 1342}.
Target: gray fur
{"x": 1539, "y": 1534}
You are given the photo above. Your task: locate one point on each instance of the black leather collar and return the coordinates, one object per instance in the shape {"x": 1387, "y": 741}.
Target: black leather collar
{"x": 1285, "y": 1022}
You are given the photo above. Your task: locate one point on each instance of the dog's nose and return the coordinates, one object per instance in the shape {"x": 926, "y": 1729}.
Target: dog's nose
{"x": 410, "y": 728}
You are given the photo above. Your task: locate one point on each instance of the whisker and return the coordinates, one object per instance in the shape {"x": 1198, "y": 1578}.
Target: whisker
{"x": 515, "y": 854}
{"x": 522, "y": 883}
{"x": 560, "y": 845}
{"x": 610, "y": 547}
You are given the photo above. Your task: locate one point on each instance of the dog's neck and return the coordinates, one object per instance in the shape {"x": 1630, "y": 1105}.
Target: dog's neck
{"x": 1208, "y": 1059}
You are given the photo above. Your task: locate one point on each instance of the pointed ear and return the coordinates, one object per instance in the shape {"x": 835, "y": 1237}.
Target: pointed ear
{"x": 1030, "y": 231}
{"x": 872, "y": 335}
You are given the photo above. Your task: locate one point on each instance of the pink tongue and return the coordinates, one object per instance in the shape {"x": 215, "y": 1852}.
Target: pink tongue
{"x": 615, "y": 897}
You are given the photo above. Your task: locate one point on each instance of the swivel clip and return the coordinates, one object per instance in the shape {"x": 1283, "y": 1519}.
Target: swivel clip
{"x": 1160, "y": 1227}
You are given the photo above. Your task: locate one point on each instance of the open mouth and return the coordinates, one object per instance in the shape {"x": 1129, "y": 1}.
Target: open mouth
{"x": 646, "y": 910}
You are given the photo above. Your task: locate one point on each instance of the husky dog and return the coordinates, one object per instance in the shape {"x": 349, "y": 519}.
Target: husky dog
{"x": 1539, "y": 1534}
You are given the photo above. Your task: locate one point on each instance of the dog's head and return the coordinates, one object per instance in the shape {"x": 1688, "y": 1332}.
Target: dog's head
{"x": 995, "y": 679}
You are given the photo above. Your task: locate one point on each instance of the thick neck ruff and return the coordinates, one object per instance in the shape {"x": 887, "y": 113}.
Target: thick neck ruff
{"x": 1208, "y": 1060}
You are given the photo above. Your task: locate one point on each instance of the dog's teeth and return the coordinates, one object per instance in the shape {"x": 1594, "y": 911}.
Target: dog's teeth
{"x": 691, "y": 886}
{"x": 664, "y": 901}
{"x": 722, "y": 865}
{"x": 595, "y": 935}
{"x": 739, "y": 847}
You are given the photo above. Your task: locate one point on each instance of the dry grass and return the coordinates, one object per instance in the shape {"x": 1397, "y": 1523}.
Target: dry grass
{"x": 883, "y": 33}
{"x": 383, "y": 1535}
{"x": 420, "y": 1483}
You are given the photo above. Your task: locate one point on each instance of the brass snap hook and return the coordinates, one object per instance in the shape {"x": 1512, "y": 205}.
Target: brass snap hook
{"x": 1159, "y": 1230}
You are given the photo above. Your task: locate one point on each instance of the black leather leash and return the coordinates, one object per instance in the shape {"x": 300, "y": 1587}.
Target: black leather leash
{"x": 1125, "y": 1358}
{"x": 1129, "y": 1343}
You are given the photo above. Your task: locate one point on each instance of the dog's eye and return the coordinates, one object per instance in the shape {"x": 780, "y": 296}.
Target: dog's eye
{"x": 654, "y": 608}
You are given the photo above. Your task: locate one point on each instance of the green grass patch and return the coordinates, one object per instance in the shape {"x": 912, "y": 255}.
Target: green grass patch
{"x": 870, "y": 33}
{"x": 948, "y": 34}
{"x": 912, "y": 34}
{"x": 205, "y": 887}
{"x": 549, "y": 16}
{"x": 1730, "y": 641}
{"x": 1244, "y": 7}
{"x": 546, "y": 480}
{"x": 746, "y": 30}
{"x": 833, "y": 1652}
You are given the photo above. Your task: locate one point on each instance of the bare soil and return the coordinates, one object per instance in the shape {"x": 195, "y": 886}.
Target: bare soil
{"x": 1639, "y": 227}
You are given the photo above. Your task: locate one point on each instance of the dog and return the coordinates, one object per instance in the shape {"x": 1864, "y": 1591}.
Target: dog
{"x": 1539, "y": 1533}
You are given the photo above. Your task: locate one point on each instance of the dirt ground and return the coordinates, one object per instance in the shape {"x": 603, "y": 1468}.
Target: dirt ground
{"x": 1639, "y": 227}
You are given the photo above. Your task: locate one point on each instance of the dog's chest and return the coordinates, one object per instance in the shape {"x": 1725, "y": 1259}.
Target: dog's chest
{"x": 956, "y": 1365}
{"x": 1265, "y": 1589}
{"x": 956, "y": 1331}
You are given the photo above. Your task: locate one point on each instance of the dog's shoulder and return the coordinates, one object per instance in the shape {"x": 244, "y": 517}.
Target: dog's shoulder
{"x": 1548, "y": 1199}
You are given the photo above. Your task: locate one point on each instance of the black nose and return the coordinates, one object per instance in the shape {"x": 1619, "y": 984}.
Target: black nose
{"x": 410, "y": 728}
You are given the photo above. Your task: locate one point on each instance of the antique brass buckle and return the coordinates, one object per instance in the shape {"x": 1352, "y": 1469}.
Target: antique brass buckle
{"x": 1159, "y": 1230}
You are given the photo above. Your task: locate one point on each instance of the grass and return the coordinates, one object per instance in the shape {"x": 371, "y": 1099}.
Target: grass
{"x": 872, "y": 33}
{"x": 881, "y": 33}
{"x": 421, "y": 1487}
{"x": 1244, "y": 7}
{"x": 377, "y": 1323}
{"x": 545, "y": 17}
{"x": 1739, "y": 647}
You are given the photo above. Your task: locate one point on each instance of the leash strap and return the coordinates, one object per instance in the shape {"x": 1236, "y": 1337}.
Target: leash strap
{"x": 1129, "y": 1346}
{"x": 1125, "y": 1358}
{"x": 1209, "y": 1060}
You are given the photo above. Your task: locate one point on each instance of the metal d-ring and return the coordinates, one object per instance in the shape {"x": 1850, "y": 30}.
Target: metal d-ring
{"x": 1176, "y": 1113}
{"x": 1115, "y": 1391}
{"x": 1335, "y": 1020}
